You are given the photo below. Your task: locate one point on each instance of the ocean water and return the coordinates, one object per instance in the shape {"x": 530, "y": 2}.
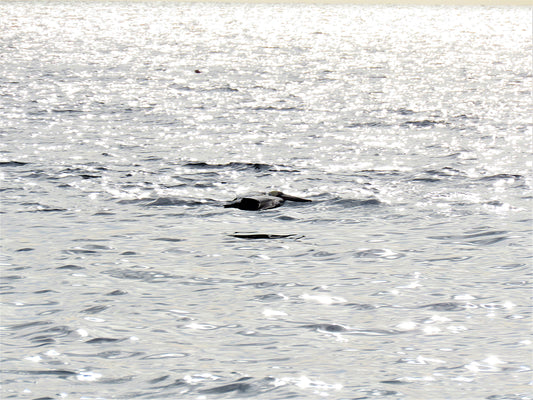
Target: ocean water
{"x": 408, "y": 276}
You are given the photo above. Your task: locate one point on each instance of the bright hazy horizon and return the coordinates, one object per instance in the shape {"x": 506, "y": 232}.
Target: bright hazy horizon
{"x": 377, "y": 2}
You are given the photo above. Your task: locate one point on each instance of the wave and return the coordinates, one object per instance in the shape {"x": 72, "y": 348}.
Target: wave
{"x": 438, "y": 175}
{"x": 449, "y": 306}
{"x": 170, "y": 201}
{"x": 145, "y": 276}
{"x": 370, "y": 124}
{"x": 478, "y": 238}
{"x": 71, "y": 267}
{"x": 501, "y": 176}
{"x": 226, "y": 88}
{"x": 166, "y": 202}
{"x": 272, "y": 108}
{"x": 100, "y": 340}
{"x": 382, "y": 172}
{"x": 12, "y": 163}
{"x": 37, "y": 207}
{"x": 326, "y": 327}
{"x": 231, "y": 387}
{"x": 352, "y": 203}
{"x": 425, "y": 123}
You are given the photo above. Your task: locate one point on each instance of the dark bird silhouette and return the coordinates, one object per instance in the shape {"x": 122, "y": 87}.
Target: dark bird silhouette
{"x": 263, "y": 201}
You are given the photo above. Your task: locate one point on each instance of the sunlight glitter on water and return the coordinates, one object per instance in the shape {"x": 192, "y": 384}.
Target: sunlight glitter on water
{"x": 409, "y": 129}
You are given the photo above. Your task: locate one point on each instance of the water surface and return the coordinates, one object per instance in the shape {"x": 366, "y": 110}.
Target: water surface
{"x": 123, "y": 277}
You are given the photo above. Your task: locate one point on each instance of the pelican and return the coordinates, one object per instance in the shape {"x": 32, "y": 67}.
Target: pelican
{"x": 263, "y": 201}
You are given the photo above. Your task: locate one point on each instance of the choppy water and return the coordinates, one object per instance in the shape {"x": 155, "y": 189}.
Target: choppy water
{"x": 407, "y": 277}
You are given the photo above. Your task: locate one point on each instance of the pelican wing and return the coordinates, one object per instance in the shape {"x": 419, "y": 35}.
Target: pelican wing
{"x": 254, "y": 203}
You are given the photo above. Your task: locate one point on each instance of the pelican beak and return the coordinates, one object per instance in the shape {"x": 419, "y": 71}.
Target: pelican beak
{"x": 293, "y": 198}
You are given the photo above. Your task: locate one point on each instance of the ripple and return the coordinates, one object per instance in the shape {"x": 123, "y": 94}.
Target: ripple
{"x": 510, "y": 266}
{"x": 368, "y": 124}
{"x": 174, "y": 384}
{"x": 354, "y": 203}
{"x": 232, "y": 387}
{"x": 94, "y": 309}
{"x": 378, "y": 253}
{"x": 476, "y": 238}
{"x": 60, "y": 373}
{"x": 172, "y": 240}
{"x": 364, "y": 307}
{"x": 270, "y": 297}
{"x": 37, "y": 207}
{"x": 146, "y": 276}
{"x": 449, "y": 306}
{"x": 326, "y": 327}
{"x": 71, "y": 267}
{"x": 112, "y": 354}
{"x": 29, "y": 325}
{"x": 425, "y": 123}
{"x": 501, "y": 176}
{"x": 164, "y": 356}
{"x": 12, "y": 163}
{"x": 117, "y": 292}
{"x": 323, "y": 298}
{"x": 170, "y": 201}
{"x": 101, "y": 340}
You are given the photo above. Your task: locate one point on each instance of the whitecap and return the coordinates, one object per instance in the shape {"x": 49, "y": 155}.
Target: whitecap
{"x": 432, "y": 330}
{"x": 407, "y": 326}
{"x": 269, "y": 313}
{"x": 88, "y": 376}
{"x": 303, "y": 382}
{"x": 323, "y": 299}
{"x": 464, "y": 297}
{"x": 197, "y": 378}
{"x": 197, "y": 326}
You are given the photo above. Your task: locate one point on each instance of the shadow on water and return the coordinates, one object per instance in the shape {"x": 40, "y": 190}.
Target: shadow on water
{"x": 255, "y": 236}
